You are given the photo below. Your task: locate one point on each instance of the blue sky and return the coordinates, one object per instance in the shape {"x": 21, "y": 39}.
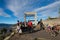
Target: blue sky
{"x": 12, "y": 10}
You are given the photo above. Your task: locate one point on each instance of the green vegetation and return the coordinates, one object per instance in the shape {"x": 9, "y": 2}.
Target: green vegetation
{"x": 49, "y": 18}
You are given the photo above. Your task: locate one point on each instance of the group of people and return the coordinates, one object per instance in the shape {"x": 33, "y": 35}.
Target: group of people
{"x": 52, "y": 29}
{"x": 21, "y": 27}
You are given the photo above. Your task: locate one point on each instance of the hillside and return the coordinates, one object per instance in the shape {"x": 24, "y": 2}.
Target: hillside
{"x": 52, "y": 21}
{"x": 2, "y": 25}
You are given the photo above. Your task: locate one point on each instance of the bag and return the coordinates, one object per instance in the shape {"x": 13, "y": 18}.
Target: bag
{"x": 20, "y": 31}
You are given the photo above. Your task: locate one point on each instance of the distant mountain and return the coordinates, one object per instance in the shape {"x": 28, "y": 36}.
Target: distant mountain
{"x": 2, "y": 25}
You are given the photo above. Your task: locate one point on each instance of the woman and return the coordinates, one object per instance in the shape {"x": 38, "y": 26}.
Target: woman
{"x": 18, "y": 27}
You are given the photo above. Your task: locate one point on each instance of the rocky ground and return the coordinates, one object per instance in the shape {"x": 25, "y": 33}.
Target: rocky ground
{"x": 41, "y": 35}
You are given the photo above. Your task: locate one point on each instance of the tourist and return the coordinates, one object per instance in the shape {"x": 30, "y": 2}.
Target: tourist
{"x": 49, "y": 28}
{"x": 18, "y": 27}
{"x": 54, "y": 29}
{"x": 41, "y": 24}
{"x": 30, "y": 26}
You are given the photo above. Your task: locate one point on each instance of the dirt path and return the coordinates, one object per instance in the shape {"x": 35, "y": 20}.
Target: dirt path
{"x": 42, "y": 35}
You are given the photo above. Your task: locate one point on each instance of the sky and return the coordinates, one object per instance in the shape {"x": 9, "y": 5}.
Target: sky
{"x": 13, "y": 10}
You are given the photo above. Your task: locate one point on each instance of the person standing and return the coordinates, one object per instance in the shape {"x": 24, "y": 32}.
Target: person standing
{"x": 41, "y": 24}
{"x": 18, "y": 27}
{"x": 30, "y": 26}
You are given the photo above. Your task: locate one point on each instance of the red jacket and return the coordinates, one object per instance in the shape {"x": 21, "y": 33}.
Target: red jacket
{"x": 30, "y": 24}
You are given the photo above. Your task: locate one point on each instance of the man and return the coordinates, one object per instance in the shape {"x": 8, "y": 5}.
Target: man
{"x": 41, "y": 24}
{"x": 29, "y": 26}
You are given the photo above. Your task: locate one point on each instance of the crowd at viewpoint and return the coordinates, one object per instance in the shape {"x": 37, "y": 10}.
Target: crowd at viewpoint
{"x": 22, "y": 28}
{"x": 29, "y": 27}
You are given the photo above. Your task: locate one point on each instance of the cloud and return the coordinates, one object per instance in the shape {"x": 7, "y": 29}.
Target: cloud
{"x": 49, "y": 10}
{"x": 21, "y": 6}
{"x": 50, "y": 6}
{"x": 16, "y": 6}
{"x": 2, "y": 13}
